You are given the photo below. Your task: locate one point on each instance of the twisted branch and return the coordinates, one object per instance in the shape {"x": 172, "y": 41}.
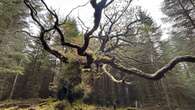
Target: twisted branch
{"x": 153, "y": 76}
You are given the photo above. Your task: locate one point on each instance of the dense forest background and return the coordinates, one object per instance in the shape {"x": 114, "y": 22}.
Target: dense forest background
{"x": 28, "y": 71}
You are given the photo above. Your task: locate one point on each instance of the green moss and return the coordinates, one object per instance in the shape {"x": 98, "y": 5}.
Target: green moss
{"x": 52, "y": 104}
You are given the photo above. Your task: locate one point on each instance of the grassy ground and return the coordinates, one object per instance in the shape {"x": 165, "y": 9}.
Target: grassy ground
{"x": 49, "y": 104}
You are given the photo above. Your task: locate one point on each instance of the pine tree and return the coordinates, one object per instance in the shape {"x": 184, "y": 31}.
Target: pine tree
{"x": 11, "y": 43}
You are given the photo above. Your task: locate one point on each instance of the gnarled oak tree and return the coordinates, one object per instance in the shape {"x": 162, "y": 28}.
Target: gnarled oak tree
{"x": 101, "y": 59}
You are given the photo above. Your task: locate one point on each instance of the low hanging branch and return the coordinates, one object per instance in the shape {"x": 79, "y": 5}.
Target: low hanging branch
{"x": 158, "y": 74}
{"x": 81, "y": 50}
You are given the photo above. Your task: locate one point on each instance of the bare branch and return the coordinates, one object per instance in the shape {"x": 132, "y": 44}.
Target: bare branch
{"x": 155, "y": 76}
{"x": 117, "y": 18}
{"x": 186, "y": 13}
{"x": 27, "y": 33}
{"x": 50, "y": 50}
{"x": 109, "y": 33}
{"x": 112, "y": 77}
{"x": 75, "y": 9}
{"x": 43, "y": 31}
{"x": 83, "y": 24}
{"x": 109, "y": 3}
{"x": 33, "y": 13}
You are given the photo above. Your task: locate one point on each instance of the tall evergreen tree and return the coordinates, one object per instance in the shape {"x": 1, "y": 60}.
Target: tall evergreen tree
{"x": 11, "y": 43}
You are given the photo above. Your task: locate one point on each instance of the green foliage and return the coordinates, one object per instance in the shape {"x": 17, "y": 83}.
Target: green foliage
{"x": 179, "y": 13}
{"x": 70, "y": 79}
{"x": 70, "y": 28}
{"x": 11, "y": 44}
{"x": 11, "y": 9}
{"x": 16, "y": 69}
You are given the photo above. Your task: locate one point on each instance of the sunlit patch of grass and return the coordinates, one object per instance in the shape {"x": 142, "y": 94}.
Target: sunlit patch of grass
{"x": 82, "y": 106}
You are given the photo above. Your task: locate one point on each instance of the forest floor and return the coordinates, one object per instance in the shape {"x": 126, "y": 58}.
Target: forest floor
{"x": 49, "y": 104}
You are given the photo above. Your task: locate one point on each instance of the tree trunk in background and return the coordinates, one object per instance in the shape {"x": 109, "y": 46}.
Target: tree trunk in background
{"x": 165, "y": 89}
{"x": 6, "y": 81}
{"x": 13, "y": 87}
{"x": 187, "y": 70}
